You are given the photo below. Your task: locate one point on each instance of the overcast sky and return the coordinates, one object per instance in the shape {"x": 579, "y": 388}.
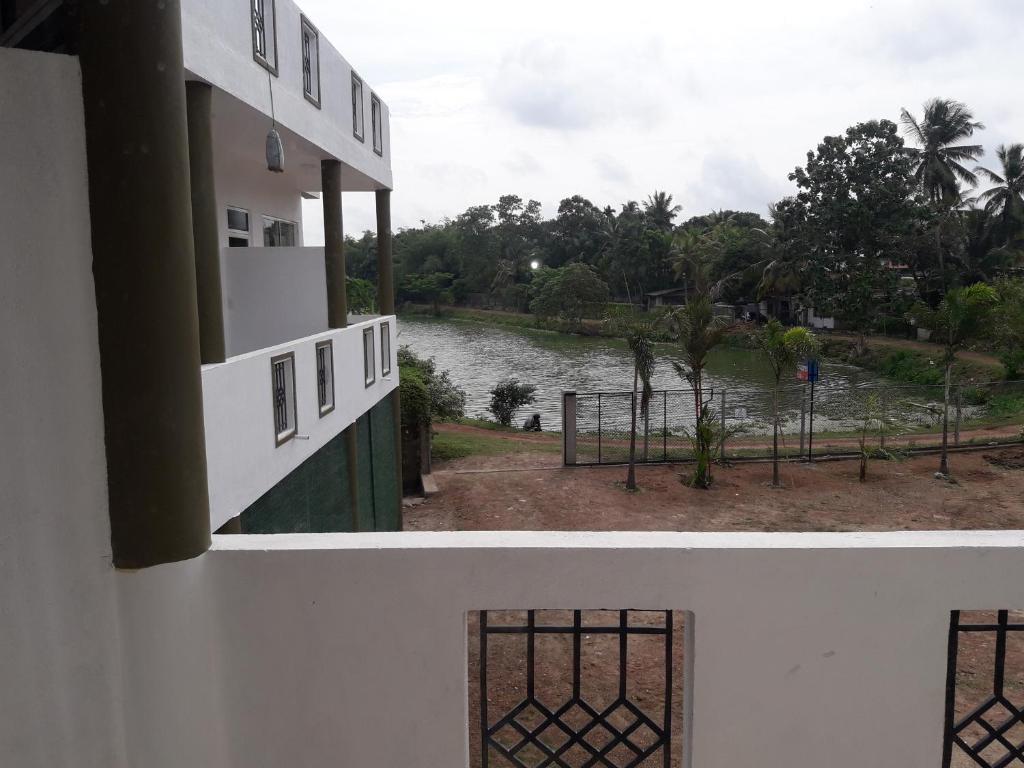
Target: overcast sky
{"x": 713, "y": 101}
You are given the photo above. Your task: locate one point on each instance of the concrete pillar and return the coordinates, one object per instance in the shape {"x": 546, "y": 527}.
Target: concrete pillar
{"x": 145, "y": 273}
{"x": 569, "y": 428}
{"x": 385, "y": 268}
{"x": 386, "y": 306}
{"x": 206, "y": 239}
{"x": 334, "y": 244}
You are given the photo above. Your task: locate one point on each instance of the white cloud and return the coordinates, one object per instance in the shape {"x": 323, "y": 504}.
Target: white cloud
{"x": 714, "y": 102}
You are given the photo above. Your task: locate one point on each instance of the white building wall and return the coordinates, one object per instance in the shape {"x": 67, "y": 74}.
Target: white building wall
{"x": 242, "y": 181}
{"x": 243, "y": 461}
{"x": 217, "y": 40}
{"x": 272, "y": 295}
{"x": 60, "y": 683}
{"x": 808, "y": 650}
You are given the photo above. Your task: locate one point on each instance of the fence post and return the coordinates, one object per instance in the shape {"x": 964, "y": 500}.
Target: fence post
{"x": 664, "y": 425}
{"x": 647, "y": 430}
{"x": 598, "y": 427}
{"x": 803, "y": 421}
{"x": 569, "y": 428}
{"x": 959, "y": 407}
{"x": 722, "y": 417}
{"x": 882, "y": 420}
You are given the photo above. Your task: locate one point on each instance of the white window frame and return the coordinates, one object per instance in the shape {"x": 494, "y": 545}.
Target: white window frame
{"x": 267, "y": 58}
{"x": 242, "y": 233}
{"x": 306, "y": 28}
{"x": 358, "y": 118}
{"x": 385, "y": 349}
{"x": 369, "y": 356}
{"x": 325, "y": 352}
{"x": 276, "y": 220}
{"x": 377, "y": 123}
{"x": 283, "y": 377}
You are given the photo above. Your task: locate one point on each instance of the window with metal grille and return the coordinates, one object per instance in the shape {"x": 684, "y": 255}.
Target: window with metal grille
{"x": 377, "y": 124}
{"x": 984, "y": 722}
{"x": 310, "y": 62}
{"x": 357, "y": 107}
{"x": 282, "y": 381}
{"x": 325, "y": 376}
{"x": 385, "y": 349}
{"x": 264, "y": 34}
{"x": 576, "y": 688}
{"x": 369, "y": 366}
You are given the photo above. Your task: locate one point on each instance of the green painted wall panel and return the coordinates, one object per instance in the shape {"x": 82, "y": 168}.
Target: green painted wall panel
{"x": 387, "y": 503}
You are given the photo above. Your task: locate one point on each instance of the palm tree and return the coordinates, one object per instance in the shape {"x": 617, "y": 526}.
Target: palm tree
{"x": 940, "y": 157}
{"x": 962, "y": 315}
{"x": 698, "y": 331}
{"x": 1007, "y": 196}
{"x": 783, "y": 349}
{"x": 660, "y": 211}
{"x": 642, "y": 347}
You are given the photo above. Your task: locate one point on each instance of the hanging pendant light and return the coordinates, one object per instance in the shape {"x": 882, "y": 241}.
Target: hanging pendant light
{"x": 275, "y": 148}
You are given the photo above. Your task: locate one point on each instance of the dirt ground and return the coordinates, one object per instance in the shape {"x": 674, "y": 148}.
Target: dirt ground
{"x": 527, "y": 489}
{"x": 530, "y": 490}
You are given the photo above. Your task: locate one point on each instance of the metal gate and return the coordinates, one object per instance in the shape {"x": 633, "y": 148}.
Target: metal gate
{"x": 575, "y": 732}
{"x": 602, "y": 425}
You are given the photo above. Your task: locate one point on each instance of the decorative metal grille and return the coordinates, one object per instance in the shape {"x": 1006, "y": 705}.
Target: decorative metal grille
{"x": 259, "y": 27}
{"x": 323, "y": 352}
{"x": 576, "y": 732}
{"x": 307, "y": 63}
{"x": 991, "y": 732}
{"x": 281, "y": 396}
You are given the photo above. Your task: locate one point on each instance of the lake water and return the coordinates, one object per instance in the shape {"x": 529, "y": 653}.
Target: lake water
{"x": 480, "y": 355}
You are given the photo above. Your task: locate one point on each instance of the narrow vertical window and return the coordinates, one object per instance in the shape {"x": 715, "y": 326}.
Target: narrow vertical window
{"x": 357, "y": 107}
{"x": 264, "y": 34}
{"x": 377, "y": 124}
{"x": 369, "y": 364}
{"x": 310, "y": 62}
{"x": 385, "y": 349}
{"x": 282, "y": 380}
{"x": 325, "y": 376}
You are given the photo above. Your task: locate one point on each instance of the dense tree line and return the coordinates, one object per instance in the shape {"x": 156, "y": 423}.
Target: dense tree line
{"x": 883, "y": 216}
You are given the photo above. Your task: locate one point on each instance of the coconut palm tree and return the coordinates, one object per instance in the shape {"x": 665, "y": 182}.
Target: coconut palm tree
{"x": 1007, "y": 196}
{"x": 660, "y": 211}
{"x": 940, "y": 156}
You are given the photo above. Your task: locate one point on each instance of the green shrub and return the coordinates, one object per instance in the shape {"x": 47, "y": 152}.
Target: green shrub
{"x": 507, "y": 396}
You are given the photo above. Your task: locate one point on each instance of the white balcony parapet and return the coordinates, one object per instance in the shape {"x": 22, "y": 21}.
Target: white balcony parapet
{"x": 243, "y": 458}
{"x": 806, "y": 650}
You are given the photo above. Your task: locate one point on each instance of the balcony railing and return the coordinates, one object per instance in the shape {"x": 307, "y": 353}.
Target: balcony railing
{"x": 799, "y": 650}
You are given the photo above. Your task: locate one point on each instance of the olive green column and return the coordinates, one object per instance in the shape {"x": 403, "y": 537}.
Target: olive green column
{"x": 386, "y": 303}
{"x": 206, "y": 238}
{"x": 337, "y": 299}
{"x": 145, "y": 274}
{"x": 334, "y": 244}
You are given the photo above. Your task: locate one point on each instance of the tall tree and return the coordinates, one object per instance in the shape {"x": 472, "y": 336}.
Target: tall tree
{"x": 962, "y": 316}
{"x": 1006, "y": 198}
{"x": 856, "y": 211}
{"x": 660, "y": 211}
{"x": 940, "y": 157}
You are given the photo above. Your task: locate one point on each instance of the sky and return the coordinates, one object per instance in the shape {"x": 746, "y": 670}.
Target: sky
{"x": 714, "y": 102}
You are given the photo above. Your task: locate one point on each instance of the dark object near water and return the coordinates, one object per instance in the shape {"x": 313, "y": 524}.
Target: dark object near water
{"x": 532, "y": 423}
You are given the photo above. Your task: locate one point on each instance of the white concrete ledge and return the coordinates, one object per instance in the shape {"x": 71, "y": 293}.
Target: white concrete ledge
{"x": 605, "y": 540}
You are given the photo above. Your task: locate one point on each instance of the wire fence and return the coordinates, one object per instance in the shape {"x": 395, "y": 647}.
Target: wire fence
{"x": 814, "y": 421}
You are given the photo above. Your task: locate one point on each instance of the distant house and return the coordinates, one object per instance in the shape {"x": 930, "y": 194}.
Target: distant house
{"x": 668, "y": 297}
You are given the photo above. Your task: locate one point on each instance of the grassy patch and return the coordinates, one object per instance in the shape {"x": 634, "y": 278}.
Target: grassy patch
{"x": 458, "y": 445}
